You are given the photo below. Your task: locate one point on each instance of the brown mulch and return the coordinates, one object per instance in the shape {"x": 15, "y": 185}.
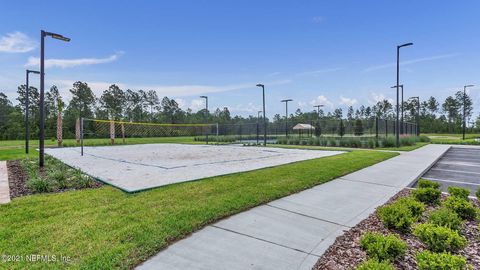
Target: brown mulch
{"x": 17, "y": 179}
{"x": 346, "y": 252}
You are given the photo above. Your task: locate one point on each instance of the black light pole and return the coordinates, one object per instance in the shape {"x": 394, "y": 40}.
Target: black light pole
{"x": 27, "y": 101}
{"x": 401, "y": 106}
{"x": 418, "y": 115}
{"x": 206, "y": 114}
{"x": 398, "y": 85}
{"x": 258, "y": 123}
{"x": 43, "y": 34}
{"x": 264, "y": 118}
{"x": 286, "y": 115}
{"x": 318, "y": 115}
{"x": 464, "y": 98}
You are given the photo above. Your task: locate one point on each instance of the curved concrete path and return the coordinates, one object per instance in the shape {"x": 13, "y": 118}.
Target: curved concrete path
{"x": 294, "y": 231}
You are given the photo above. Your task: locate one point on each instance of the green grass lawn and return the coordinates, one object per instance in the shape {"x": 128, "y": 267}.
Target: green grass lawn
{"x": 105, "y": 228}
{"x": 453, "y": 138}
{"x": 313, "y": 147}
{"x": 15, "y": 149}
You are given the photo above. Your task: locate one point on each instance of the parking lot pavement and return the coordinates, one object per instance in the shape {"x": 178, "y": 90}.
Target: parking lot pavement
{"x": 460, "y": 166}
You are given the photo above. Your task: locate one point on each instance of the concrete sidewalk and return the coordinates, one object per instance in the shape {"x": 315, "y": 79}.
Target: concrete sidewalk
{"x": 292, "y": 232}
{"x": 4, "y": 187}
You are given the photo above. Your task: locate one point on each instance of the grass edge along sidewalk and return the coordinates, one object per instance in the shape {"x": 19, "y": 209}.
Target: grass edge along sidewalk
{"x": 105, "y": 228}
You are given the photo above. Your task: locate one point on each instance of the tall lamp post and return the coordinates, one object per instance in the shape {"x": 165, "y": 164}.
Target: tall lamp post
{"x": 44, "y": 34}
{"x": 401, "y": 106}
{"x": 264, "y": 118}
{"x": 418, "y": 115}
{"x": 27, "y": 101}
{"x": 258, "y": 123}
{"x": 398, "y": 86}
{"x": 286, "y": 115}
{"x": 464, "y": 110}
{"x": 206, "y": 115}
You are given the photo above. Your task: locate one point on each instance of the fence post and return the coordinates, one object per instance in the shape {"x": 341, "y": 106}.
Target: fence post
{"x": 376, "y": 128}
{"x": 81, "y": 136}
{"x": 217, "y": 133}
{"x": 386, "y": 128}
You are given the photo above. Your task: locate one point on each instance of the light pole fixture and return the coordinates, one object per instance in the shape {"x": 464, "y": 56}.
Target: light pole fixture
{"x": 418, "y": 115}
{"x": 44, "y": 34}
{"x": 27, "y": 101}
{"x": 464, "y": 110}
{"x": 401, "y": 106}
{"x": 286, "y": 115}
{"x": 397, "y": 86}
{"x": 206, "y": 116}
{"x": 264, "y": 118}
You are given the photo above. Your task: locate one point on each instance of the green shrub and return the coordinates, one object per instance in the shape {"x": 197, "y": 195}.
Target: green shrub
{"x": 389, "y": 142}
{"x": 423, "y": 183}
{"x": 445, "y": 217}
{"x": 427, "y": 260}
{"x": 39, "y": 185}
{"x": 59, "y": 177}
{"x": 463, "y": 208}
{"x": 439, "y": 238}
{"x": 381, "y": 247}
{"x": 423, "y": 138}
{"x": 401, "y": 214}
{"x": 478, "y": 194}
{"x": 373, "y": 264}
{"x": 427, "y": 195}
{"x": 414, "y": 206}
{"x": 459, "y": 192}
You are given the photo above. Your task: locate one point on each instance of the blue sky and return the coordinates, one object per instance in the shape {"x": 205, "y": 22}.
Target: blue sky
{"x": 338, "y": 53}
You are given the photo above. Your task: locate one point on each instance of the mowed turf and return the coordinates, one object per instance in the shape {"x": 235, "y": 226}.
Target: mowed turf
{"x": 105, "y": 228}
{"x": 15, "y": 149}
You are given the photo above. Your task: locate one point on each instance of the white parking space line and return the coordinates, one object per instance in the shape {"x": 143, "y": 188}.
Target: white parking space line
{"x": 450, "y": 181}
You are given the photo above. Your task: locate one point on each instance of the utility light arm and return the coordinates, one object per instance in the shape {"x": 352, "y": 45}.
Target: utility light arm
{"x": 56, "y": 36}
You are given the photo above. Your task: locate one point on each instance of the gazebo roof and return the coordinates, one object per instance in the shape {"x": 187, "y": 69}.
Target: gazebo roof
{"x": 303, "y": 126}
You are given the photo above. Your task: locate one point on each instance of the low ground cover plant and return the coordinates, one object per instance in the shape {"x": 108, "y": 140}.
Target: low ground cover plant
{"x": 463, "y": 208}
{"x": 478, "y": 194}
{"x": 423, "y": 183}
{"x": 401, "y": 214}
{"x": 383, "y": 247}
{"x": 459, "y": 192}
{"x": 427, "y": 260}
{"x": 427, "y": 195}
{"x": 373, "y": 264}
{"x": 439, "y": 238}
{"x": 445, "y": 217}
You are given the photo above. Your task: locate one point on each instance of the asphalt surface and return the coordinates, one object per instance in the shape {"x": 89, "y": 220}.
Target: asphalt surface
{"x": 458, "y": 167}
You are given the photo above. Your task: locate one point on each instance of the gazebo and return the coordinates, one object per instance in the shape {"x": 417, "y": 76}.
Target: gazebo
{"x": 301, "y": 128}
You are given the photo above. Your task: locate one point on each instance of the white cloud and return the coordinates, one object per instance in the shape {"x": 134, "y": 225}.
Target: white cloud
{"x": 347, "y": 101}
{"x": 409, "y": 62}
{"x": 302, "y": 104}
{"x": 66, "y": 63}
{"x": 319, "y": 71}
{"x": 322, "y": 100}
{"x": 318, "y": 19}
{"x": 377, "y": 97}
{"x": 16, "y": 42}
{"x": 250, "y": 108}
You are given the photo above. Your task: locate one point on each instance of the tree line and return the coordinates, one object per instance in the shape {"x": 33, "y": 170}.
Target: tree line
{"x": 146, "y": 106}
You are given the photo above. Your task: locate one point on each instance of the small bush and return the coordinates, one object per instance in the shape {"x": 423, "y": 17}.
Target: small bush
{"x": 459, "y": 192}
{"x": 463, "y": 208}
{"x": 373, "y": 264}
{"x": 445, "y": 217}
{"x": 423, "y": 138}
{"x": 401, "y": 214}
{"x": 439, "y": 238}
{"x": 381, "y": 247}
{"x": 427, "y": 195}
{"x": 422, "y": 183}
{"x": 414, "y": 206}
{"x": 39, "y": 185}
{"x": 478, "y": 194}
{"x": 427, "y": 260}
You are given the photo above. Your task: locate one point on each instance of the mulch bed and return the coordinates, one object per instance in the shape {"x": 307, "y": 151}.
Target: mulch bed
{"x": 18, "y": 177}
{"x": 346, "y": 252}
